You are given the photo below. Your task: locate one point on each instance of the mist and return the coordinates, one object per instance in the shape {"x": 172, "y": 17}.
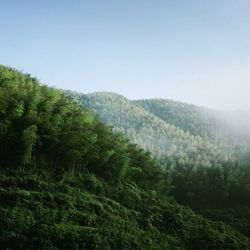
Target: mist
{"x": 235, "y": 122}
{"x": 232, "y": 124}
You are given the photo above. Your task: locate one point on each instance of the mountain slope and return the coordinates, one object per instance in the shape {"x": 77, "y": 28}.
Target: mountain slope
{"x": 151, "y": 131}
{"x": 68, "y": 182}
{"x": 190, "y": 118}
{"x": 200, "y": 152}
{"x": 214, "y": 125}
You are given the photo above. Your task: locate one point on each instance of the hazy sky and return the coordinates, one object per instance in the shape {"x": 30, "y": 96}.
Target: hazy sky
{"x": 196, "y": 51}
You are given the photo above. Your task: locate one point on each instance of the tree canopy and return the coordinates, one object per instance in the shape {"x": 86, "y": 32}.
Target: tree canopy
{"x": 68, "y": 181}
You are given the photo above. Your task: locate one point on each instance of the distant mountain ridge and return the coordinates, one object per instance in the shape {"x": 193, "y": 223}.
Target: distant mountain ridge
{"x": 188, "y": 117}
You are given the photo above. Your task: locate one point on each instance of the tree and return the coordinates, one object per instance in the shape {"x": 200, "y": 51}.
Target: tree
{"x": 29, "y": 137}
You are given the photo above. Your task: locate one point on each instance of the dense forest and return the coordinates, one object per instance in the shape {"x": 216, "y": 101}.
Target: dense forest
{"x": 68, "y": 181}
{"x": 203, "y": 153}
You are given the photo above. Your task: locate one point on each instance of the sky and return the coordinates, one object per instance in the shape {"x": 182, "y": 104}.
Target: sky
{"x": 195, "y": 51}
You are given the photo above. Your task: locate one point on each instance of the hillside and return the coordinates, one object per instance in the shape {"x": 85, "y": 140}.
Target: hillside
{"x": 68, "y": 182}
{"x": 169, "y": 128}
{"x": 150, "y": 130}
{"x": 227, "y": 129}
{"x": 199, "y": 149}
{"x": 196, "y": 120}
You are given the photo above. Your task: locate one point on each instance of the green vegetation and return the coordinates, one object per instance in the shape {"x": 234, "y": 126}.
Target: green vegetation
{"x": 42, "y": 211}
{"x": 188, "y": 117}
{"x": 227, "y": 130}
{"x": 205, "y": 158}
{"x": 150, "y": 131}
{"x": 67, "y": 181}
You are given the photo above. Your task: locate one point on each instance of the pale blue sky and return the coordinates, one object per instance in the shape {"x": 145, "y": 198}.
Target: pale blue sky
{"x": 196, "y": 51}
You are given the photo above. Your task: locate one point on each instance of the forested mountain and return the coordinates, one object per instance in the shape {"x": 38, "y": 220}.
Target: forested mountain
{"x": 169, "y": 128}
{"x": 227, "y": 129}
{"x": 67, "y": 181}
{"x": 203, "y": 153}
{"x": 150, "y": 131}
{"x": 196, "y": 120}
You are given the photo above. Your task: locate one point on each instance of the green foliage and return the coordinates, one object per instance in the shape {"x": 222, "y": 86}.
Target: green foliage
{"x": 163, "y": 137}
{"x": 206, "y": 162}
{"x": 40, "y": 212}
{"x": 67, "y": 181}
{"x": 40, "y": 126}
{"x": 29, "y": 140}
{"x": 190, "y": 118}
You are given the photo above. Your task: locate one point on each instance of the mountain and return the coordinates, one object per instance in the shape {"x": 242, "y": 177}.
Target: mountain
{"x": 198, "y": 121}
{"x": 205, "y": 152}
{"x": 150, "y": 130}
{"x": 170, "y": 128}
{"x": 67, "y": 181}
{"x": 228, "y": 127}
